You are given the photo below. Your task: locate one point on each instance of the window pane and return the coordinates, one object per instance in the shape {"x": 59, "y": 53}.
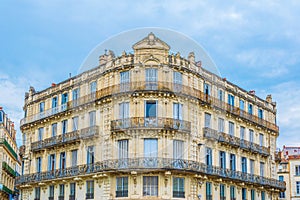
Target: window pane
{"x": 151, "y": 109}
{"x": 150, "y": 186}
{"x": 150, "y": 147}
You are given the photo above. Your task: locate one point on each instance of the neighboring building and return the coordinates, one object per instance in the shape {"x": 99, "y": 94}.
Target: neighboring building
{"x": 9, "y": 159}
{"x": 289, "y": 171}
{"x": 148, "y": 125}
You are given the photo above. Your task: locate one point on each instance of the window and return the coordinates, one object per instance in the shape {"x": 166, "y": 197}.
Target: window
{"x": 208, "y": 156}
{"x": 207, "y": 89}
{"x": 64, "y": 126}
{"x": 72, "y": 191}
{"x": 124, "y": 81}
{"x": 150, "y": 186}
{"x": 42, "y": 106}
{"x": 222, "y": 160}
{"x": 89, "y": 189}
{"x": 242, "y": 104}
{"x": 54, "y": 129}
{"x": 231, "y": 99}
{"x": 51, "y": 162}
{"x": 252, "y": 194}
{"x": 37, "y": 192}
{"x": 38, "y": 164}
{"x": 242, "y": 133}
{"x": 221, "y": 125}
{"x": 251, "y": 135}
{"x": 64, "y": 98}
{"x": 151, "y": 79}
{"x": 244, "y": 194}
{"x": 221, "y": 95}
{"x": 251, "y": 166}
{"x": 222, "y": 192}
{"x": 208, "y": 191}
{"x": 260, "y": 113}
{"x": 54, "y": 102}
{"x": 261, "y": 139}
{"x": 75, "y": 123}
{"x": 232, "y": 192}
{"x": 62, "y": 163}
{"x": 244, "y": 164}
{"x": 263, "y": 195}
{"x": 150, "y": 147}
{"x": 74, "y": 158}
{"x": 177, "y": 80}
{"x": 231, "y": 128}
{"x": 92, "y": 118}
{"x": 207, "y": 119}
{"x": 123, "y": 149}
{"x": 124, "y": 113}
{"x": 122, "y": 187}
{"x": 61, "y": 191}
{"x": 178, "y": 149}
{"x": 51, "y": 191}
{"x": 250, "y": 109}
{"x": 151, "y": 109}
{"x": 75, "y": 97}
{"x": 93, "y": 88}
{"x": 90, "y": 155}
{"x": 178, "y": 187}
{"x": 297, "y": 170}
{"x": 23, "y": 139}
{"x": 177, "y": 111}
{"x": 262, "y": 169}
{"x": 232, "y": 162}
{"x": 40, "y": 134}
{"x": 281, "y": 194}
{"x": 298, "y": 187}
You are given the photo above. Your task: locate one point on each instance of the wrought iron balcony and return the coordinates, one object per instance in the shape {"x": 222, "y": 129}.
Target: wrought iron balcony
{"x": 162, "y": 87}
{"x": 235, "y": 141}
{"x": 150, "y": 123}
{"x": 9, "y": 148}
{"x": 8, "y": 169}
{"x": 66, "y": 138}
{"x": 150, "y": 163}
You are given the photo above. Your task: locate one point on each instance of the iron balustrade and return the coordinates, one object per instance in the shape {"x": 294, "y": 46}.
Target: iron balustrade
{"x": 150, "y": 122}
{"x": 235, "y": 141}
{"x": 163, "y": 87}
{"x": 65, "y": 138}
{"x": 149, "y": 163}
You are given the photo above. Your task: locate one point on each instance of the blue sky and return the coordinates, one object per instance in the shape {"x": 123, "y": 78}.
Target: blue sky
{"x": 255, "y": 44}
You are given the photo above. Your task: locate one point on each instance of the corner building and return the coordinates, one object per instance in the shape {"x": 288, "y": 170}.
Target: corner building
{"x": 148, "y": 125}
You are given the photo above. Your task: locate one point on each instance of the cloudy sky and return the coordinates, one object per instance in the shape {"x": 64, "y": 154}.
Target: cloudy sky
{"x": 255, "y": 44}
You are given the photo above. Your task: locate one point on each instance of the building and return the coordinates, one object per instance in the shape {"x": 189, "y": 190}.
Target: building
{"x": 289, "y": 171}
{"x": 10, "y": 164}
{"x": 148, "y": 125}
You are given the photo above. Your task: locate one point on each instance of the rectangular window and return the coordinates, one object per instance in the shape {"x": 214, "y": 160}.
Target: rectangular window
{"x": 208, "y": 156}
{"x": 261, "y": 139}
{"x": 252, "y": 166}
{"x": 298, "y": 187}
{"x": 208, "y": 191}
{"x": 123, "y": 149}
{"x": 242, "y": 133}
{"x": 89, "y": 190}
{"x": 124, "y": 77}
{"x": 178, "y": 149}
{"x": 231, "y": 99}
{"x": 38, "y": 164}
{"x": 37, "y": 192}
{"x": 222, "y": 160}
{"x": 72, "y": 191}
{"x": 177, "y": 111}
{"x": 54, "y": 129}
{"x": 207, "y": 89}
{"x": 260, "y": 113}
{"x": 64, "y": 126}
{"x": 232, "y": 162}
{"x": 297, "y": 170}
{"x": 42, "y": 106}
{"x": 177, "y": 80}
{"x": 92, "y": 118}
{"x": 150, "y": 147}
{"x": 263, "y": 195}
{"x": 222, "y": 192}
{"x": 54, "y": 102}
{"x": 90, "y": 155}
{"x": 122, "y": 187}
{"x": 151, "y": 109}
{"x": 244, "y": 194}
{"x": 178, "y": 187}
{"x": 232, "y": 193}
{"x": 124, "y": 110}
{"x": 207, "y": 120}
{"x": 221, "y": 125}
{"x": 262, "y": 169}
{"x": 250, "y": 109}
{"x": 74, "y": 158}
{"x": 231, "y": 128}
{"x": 281, "y": 194}
{"x": 244, "y": 164}
{"x": 51, "y": 162}
{"x": 251, "y": 135}
{"x": 75, "y": 97}
{"x": 40, "y": 133}
{"x": 64, "y": 98}
{"x": 151, "y": 75}
{"x": 62, "y": 163}
{"x": 220, "y": 95}
{"x": 93, "y": 88}
{"x": 51, "y": 191}
{"x": 252, "y": 194}
{"x": 150, "y": 186}
{"x": 242, "y": 104}
{"x": 75, "y": 123}
{"x": 61, "y": 191}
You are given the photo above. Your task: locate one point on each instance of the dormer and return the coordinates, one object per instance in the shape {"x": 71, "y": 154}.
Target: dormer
{"x": 151, "y": 51}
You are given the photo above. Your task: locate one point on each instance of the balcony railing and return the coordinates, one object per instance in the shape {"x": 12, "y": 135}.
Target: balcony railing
{"x": 9, "y": 148}
{"x": 65, "y": 138}
{"x": 8, "y": 169}
{"x": 163, "y": 87}
{"x": 150, "y": 123}
{"x": 150, "y": 163}
{"x": 235, "y": 141}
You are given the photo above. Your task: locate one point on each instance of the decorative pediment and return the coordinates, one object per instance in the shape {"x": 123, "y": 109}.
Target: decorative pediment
{"x": 151, "y": 42}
